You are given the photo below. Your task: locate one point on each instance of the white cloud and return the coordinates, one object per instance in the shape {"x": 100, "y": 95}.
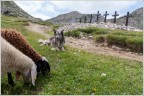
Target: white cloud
{"x": 42, "y": 16}
{"x": 29, "y": 6}
{"x": 91, "y": 6}
{"x": 47, "y": 9}
{"x": 33, "y": 7}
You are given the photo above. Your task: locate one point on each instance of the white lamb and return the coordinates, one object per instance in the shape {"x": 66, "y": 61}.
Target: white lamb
{"x": 14, "y": 60}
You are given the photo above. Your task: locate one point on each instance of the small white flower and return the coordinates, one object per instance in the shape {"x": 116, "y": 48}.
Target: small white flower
{"x": 52, "y": 49}
{"x": 103, "y": 74}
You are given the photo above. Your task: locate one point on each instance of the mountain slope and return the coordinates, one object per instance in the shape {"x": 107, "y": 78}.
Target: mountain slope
{"x": 12, "y": 9}
{"x": 72, "y": 17}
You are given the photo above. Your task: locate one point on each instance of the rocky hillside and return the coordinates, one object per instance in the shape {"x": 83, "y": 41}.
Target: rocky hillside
{"x": 135, "y": 21}
{"x": 73, "y": 17}
{"x": 12, "y": 9}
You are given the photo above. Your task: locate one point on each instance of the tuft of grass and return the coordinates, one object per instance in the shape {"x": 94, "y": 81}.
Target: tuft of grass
{"x": 127, "y": 33}
{"x": 116, "y": 40}
{"x": 74, "y": 33}
{"x": 135, "y": 44}
{"x": 77, "y": 72}
{"x": 56, "y": 26}
{"x": 87, "y": 30}
{"x": 93, "y": 30}
{"x": 100, "y": 38}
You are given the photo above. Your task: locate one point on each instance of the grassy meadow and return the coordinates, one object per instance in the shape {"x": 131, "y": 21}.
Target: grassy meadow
{"x": 76, "y": 71}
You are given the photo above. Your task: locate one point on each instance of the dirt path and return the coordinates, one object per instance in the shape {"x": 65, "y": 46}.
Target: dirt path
{"x": 89, "y": 45}
{"x": 38, "y": 28}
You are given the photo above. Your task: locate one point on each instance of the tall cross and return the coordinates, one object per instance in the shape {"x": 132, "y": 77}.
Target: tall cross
{"x": 85, "y": 19}
{"x": 115, "y": 16}
{"x": 98, "y": 16}
{"x": 91, "y": 18}
{"x": 127, "y": 18}
{"x": 106, "y": 14}
{"x": 80, "y": 20}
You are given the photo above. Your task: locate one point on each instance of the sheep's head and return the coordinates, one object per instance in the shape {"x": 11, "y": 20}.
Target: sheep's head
{"x": 43, "y": 66}
{"x": 29, "y": 75}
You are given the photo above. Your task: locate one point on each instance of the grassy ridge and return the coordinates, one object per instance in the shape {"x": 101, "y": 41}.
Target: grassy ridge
{"x": 78, "y": 73}
{"x": 126, "y": 39}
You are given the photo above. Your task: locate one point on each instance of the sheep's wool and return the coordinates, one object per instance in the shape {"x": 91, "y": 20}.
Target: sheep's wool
{"x": 17, "y": 40}
{"x": 12, "y": 59}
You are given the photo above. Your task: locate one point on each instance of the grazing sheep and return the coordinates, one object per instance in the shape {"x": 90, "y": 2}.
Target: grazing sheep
{"x": 14, "y": 60}
{"x": 17, "y": 40}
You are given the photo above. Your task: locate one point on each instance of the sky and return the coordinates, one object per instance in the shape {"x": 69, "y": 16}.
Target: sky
{"x": 48, "y": 9}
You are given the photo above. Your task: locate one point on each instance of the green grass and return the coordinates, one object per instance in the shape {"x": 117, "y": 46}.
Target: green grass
{"x": 127, "y": 33}
{"x": 49, "y": 32}
{"x": 73, "y": 33}
{"x": 78, "y": 73}
{"x": 116, "y": 40}
{"x": 133, "y": 43}
{"x": 93, "y": 30}
{"x": 100, "y": 38}
{"x": 136, "y": 44}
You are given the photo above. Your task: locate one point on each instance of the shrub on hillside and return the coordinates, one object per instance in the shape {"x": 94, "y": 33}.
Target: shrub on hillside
{"x": 116, "y": 40}
{"x": 135, "y": 44}
{"x": 87, "y": 30}
{"x": 94, "y": 30}
{"x": 100, "y": 38}
{"x": 56, "y": 26}
{"x": 74, "y": 33}
{"x": 127, "y": 33}
{"x": 101, "y": 31}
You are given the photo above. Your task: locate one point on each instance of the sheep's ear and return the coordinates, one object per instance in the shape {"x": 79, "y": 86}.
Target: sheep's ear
{"x": 54, "y": 32}
{"x": 17, "y": 75}
{"x": 33, "y": 75}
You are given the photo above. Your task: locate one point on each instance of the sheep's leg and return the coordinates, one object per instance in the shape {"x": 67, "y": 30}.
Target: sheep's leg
{"x": 10, "y": 79}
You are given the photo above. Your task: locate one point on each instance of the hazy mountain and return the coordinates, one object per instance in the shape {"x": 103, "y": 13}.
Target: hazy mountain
{"x": 12, "y": 9}
{"x": 72, "y": 17}
{"x": 135, "y": 21}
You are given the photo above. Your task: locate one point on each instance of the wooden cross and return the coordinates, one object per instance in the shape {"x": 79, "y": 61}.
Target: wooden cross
{"x": 80, "y": 20}
{"x": 85, "y": 19}
{"x": 91, "y": 18}
{"x": 115, "y": 16}
{"x": 127, "y": 18}
{"x": 6, "y": 12}
{"x": 98, "y": 16}
{"x": 106, "y": 14}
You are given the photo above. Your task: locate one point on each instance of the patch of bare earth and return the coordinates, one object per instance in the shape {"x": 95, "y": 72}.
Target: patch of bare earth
{"x": 39, "y": 28}
{"x": 89, "y": 45}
